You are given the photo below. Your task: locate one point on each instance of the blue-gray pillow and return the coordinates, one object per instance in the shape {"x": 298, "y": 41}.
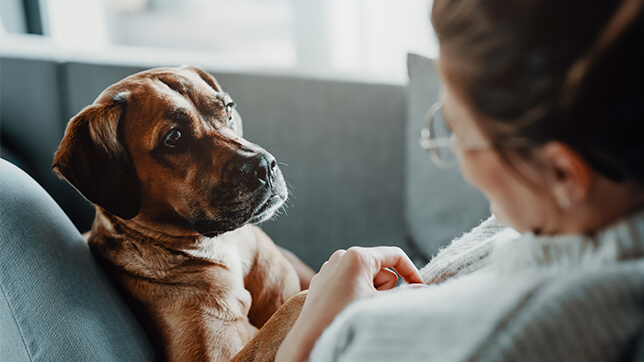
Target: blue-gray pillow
{"x": 55, "y": 302}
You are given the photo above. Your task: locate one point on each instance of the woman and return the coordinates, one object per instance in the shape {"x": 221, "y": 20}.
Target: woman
{"x": 546, "y": 104}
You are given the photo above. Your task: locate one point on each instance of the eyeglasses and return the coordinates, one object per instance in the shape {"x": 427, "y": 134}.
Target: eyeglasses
{"x": 439, "y": 141}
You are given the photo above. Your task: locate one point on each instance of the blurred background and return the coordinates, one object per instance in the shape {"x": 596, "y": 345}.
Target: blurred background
{"x": 336, "y": 90}
{"x": 366, "y": 37}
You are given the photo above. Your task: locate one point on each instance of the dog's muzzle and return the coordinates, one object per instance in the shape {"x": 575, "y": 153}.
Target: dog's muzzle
{"x": 255, "y": 189}
{"x": 264, "y": 180}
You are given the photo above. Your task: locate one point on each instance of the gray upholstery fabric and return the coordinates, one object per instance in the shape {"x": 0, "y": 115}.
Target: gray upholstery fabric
{"x": 32, "y": 111}
{"x": 343, "y": 144}
{"x": 55, "y": 302}
{"x": 439, "y": 204}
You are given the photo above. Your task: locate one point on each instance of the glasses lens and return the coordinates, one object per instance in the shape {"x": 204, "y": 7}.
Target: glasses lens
{"x": 440, "y": 130}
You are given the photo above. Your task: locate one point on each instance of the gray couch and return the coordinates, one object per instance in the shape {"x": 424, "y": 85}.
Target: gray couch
{"x": 356, "y": 172}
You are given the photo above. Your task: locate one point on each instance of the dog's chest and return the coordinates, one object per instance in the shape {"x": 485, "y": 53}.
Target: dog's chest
{"x": 229, "y": 250}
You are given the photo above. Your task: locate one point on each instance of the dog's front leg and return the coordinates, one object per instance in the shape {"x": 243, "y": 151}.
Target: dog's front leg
{"x": 195, "y": 334}
{"x": 271, "y": 280}
{"x": 263, "y": 347}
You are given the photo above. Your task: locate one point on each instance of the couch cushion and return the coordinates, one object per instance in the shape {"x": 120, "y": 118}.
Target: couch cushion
{"x": 32, "y": 113}
{"x": 439, "y": 203}
{"x": 343, "y": 142}
{"x": 55, "y": 302}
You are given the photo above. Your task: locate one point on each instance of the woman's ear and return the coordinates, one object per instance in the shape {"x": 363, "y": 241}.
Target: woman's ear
{"x": 568, "y": 175}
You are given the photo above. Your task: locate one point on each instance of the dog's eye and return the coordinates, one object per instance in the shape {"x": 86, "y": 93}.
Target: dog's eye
{"x": 229, "y": 105}
{"x": 173, "y": 138}
{"x": 229, "y": 110}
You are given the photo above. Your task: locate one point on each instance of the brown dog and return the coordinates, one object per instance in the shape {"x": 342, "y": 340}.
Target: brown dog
{"x": 177, "y": 191}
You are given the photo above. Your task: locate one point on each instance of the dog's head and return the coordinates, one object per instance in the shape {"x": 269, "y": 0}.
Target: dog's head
{"x": 165, "y": 146}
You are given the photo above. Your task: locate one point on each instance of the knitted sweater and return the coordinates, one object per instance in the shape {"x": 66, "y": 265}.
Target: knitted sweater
{"x": 497, "y": 295}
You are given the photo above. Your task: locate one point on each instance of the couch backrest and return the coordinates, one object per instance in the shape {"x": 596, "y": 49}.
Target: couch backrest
{"x": 342, "y": 142}
{"x": 32, "y": 113}
{"x": 439, "y": 204}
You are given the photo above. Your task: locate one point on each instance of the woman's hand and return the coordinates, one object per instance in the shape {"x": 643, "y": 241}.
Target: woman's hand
{"x": 347, "y": 276}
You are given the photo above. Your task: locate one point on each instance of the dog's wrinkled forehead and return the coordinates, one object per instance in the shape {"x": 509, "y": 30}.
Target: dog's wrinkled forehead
{"x": 170, "y": 84}
{"x": 158, "y": 97}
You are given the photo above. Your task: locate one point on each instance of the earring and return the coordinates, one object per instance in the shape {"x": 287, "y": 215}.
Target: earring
{"x": 563, "y": 201}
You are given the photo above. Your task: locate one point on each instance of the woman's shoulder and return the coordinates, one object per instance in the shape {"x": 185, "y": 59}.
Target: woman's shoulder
{"x": 575, "y": 313}
{"x": 492, "y": 244}
{"x": 468, "y": 252}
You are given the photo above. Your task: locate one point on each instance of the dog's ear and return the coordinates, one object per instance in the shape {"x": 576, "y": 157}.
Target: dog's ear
{"x": 93, "y": 159}
{"x": 206, "y": 77}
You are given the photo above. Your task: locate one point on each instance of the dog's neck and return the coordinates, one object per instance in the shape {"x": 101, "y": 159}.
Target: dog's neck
{"x": 137, "y": 228}
{"x": 192, "y": 245}
{"x": 111, "y": 236}
{"x": 132, "y": 255}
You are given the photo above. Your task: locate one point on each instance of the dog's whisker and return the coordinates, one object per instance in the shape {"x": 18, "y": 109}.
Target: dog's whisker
{"x": 292, "y": 196}
{"x": 291, "y": 188}
{"x": 271, "y": 146}
{"x": 280, "y": 211}
{"x": 226, "y": 84}
{"x": 274, "y": 216}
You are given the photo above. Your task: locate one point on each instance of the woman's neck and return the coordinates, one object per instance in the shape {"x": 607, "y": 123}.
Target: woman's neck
{"x": 606, "y": 203}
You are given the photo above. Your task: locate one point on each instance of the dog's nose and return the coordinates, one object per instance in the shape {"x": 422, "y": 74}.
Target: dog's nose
{"x": 265, "y": 168}
{"x": 255, "y": 171}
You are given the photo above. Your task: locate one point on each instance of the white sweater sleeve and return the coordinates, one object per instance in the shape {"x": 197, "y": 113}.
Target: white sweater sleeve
{"x": 464, "y": 254}
{"x": 515, "y": 307}
{"x": 577, "y": 318}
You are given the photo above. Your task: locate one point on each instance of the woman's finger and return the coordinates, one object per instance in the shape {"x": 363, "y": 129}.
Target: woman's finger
{"x": 385, "y": 279}
{"x": 395, "y": 258}
{"x": 333, "y": 258}
{"x": 336, "y": 255}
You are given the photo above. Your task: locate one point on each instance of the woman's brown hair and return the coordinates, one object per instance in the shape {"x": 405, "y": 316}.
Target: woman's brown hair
{"x": 543, "y": 70}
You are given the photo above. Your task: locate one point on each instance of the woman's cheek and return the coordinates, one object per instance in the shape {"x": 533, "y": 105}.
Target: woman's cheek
{"x": 487, "y": 174}
{"x": 479, "y": 169}
{"x": 467, "y": 167}
{"x": 521, "y": 207}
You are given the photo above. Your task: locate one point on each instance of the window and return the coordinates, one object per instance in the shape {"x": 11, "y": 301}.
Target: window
{"x": 365, "y": 37}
